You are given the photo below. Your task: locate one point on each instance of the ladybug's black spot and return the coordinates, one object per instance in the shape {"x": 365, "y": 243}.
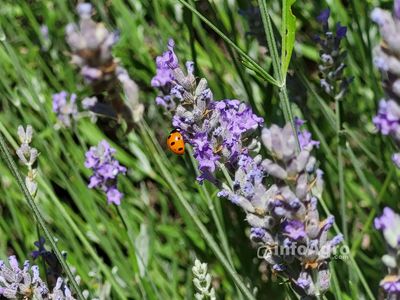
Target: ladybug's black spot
{"x": 173, "y": 143}
{"x": 180, "y": 149}
{"x": 178, "y": 138}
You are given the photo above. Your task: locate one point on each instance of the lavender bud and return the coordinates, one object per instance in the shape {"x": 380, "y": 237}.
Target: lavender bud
{"x": 332, "y": 64}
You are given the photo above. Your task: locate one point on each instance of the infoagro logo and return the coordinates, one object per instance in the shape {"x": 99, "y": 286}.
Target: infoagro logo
{"x": 295, "y": 249}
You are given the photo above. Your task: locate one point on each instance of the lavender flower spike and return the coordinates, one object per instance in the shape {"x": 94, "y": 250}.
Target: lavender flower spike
{"x": 25, "y": 283}
{"x": 91, "y": 44}
{"x": 332, "y": 64}
{"x": 389, "y": 224}
{"x": 219, "y": 131}
{"x": 386, "y": 59}
{"x": 106, "y": 168}
{"x": 283, "y": 216}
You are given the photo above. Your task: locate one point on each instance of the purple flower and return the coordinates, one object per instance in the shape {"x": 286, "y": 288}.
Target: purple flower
{"x": 105, "y": 171}
{"x": 65, "y": 109}
{"x": 387, "y": 121}
{"x": 396, "y": 159}
{"x": 304, "y": 283}
{"x": 257, "y": 233}
{"x": 386, "y": 220}
{"x": 294, "y": 229}
{"x": 204, "y": 153}
{"x": 165, "y": 64}
{"x": 324, "y": 16}
{"x": 340, "y": 31}
{"x": 114, "y": 196}
{"x": 235, "y": 119}
{"x": 391, "y": 284}
{"x": 304, "y": 136}
{"x": 41, "y": 249}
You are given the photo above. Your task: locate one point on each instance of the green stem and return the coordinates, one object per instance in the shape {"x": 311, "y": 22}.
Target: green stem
{"x": 342, "y": 196}
{"x": 283, "y": 96}
{"x": 6, "y": 155}
{"x": 135, "y": 251}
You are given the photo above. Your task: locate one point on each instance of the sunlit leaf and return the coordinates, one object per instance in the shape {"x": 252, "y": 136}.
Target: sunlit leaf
{"x": 288, "y": 34}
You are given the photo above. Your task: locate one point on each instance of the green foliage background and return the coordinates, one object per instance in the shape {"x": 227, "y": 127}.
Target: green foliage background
{"x": 153, "y": 259}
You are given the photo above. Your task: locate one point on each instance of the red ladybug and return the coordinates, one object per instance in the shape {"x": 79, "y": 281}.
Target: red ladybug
{"x": 175, "y": 142}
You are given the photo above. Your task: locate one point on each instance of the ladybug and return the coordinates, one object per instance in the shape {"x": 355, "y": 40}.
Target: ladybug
{"x": 175, "y": 142}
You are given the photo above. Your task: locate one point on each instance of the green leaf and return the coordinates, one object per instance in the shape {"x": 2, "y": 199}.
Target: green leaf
{"x": 243, "y": 54}
{"x": 288, "y": 34}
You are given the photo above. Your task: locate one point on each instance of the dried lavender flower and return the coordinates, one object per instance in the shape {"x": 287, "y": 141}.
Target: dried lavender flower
{"x": 202, "y": 281}
{"x": 100, "y": 159}
{"x": 65, "y": 109}
{"x": 283, "y": 216}
{"x": 385, "y": 56}
{"x": 389, "y": 224}
{"x": 91, "y": 44}
{"x": 25, "y": 283}
{"x": 332, "y": 63}
{"x": 28, "y": 156}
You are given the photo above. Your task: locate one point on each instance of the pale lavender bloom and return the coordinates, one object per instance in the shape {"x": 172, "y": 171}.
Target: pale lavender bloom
{"x": 65, "y": 109}
{"x": 283, "y": 216}
{"x": 44, "y": 30}
{"x": 387, "y": 121}
{"x": 396, "y": 159}
{"x": 105, "y": 171}
{"x": 386, "y": 59}
{"x": 25, "y": 282}
{"x": 89, "y": 102}
{"x": 389, "y": 224}
{"x": 91, "y": 44}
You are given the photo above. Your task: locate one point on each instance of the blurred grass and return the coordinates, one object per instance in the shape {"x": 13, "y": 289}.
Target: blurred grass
{"x": 93, "y": 234}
